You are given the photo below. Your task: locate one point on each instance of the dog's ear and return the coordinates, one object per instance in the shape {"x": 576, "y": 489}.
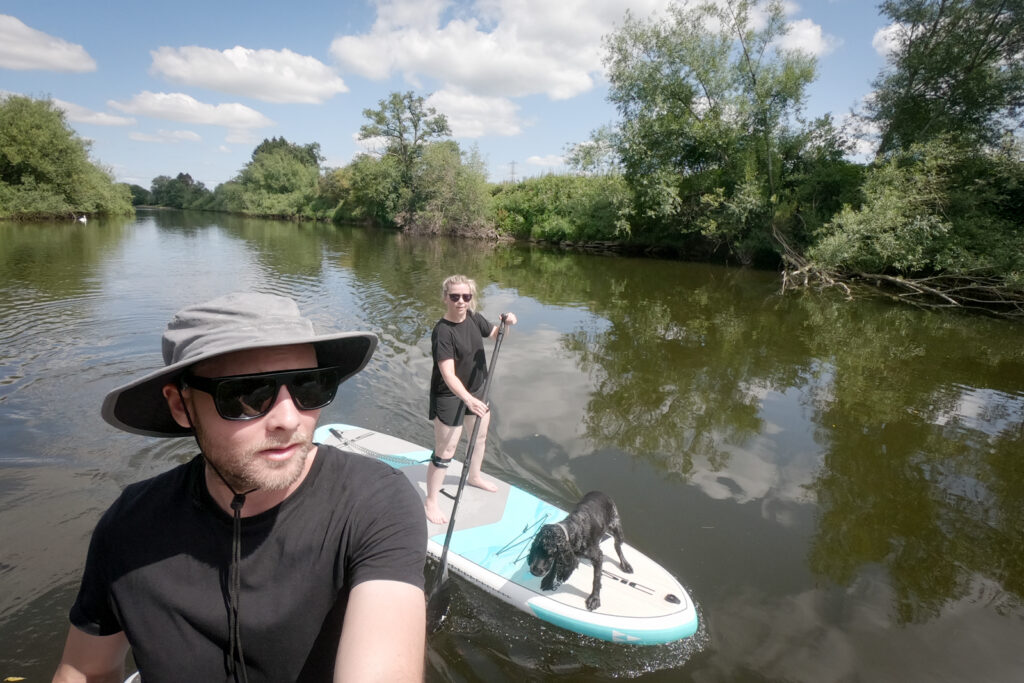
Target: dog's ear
{"x": 565, "y": 561}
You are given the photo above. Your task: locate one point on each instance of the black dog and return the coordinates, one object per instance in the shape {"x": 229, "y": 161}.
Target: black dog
{"x": 557, "y": 547}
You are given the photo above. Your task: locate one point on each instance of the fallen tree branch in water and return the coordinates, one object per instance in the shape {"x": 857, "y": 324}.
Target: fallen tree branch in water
{"x": 977, "y": 292}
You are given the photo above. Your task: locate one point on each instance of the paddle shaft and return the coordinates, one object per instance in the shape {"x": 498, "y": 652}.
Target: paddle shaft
{"x": 442, "y": 570}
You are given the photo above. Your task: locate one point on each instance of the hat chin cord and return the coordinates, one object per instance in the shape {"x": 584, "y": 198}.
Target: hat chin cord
{"x": 235, "y": 573}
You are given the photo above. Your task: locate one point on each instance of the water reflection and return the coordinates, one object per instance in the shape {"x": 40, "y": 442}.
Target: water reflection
{"x": 839, "y": 484}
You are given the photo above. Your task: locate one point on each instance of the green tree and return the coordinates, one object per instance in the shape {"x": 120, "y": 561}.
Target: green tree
{"x": 956, "y": 69}
{"x": 406, "y": 125}
{"x": 455, "y": 193}
{"x": 140, "y": 195}
{"x": 704, "y": 98}
{"x": 308, "y": 155}
{"x": 563, "y": 208}
{"x": 45, "y": 168}
{"x": 181, "y": 192}
{"x": 281, "y": 179}
{"x": 371, "y": 190}
{"x": 817, "y": 181}
{"x": 942, "y": 222}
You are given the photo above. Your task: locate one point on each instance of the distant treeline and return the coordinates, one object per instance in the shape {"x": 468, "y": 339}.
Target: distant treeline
{"x": 710, "y": 158}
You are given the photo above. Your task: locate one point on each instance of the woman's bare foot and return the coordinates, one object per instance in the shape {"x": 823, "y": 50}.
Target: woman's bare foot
{"x": 434, "y": 514}
{"x": 481, "y": 483}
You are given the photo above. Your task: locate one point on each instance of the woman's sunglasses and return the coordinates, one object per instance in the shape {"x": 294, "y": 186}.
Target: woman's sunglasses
{"x": 465, "y": 297}
{"x": 247, "y": 397}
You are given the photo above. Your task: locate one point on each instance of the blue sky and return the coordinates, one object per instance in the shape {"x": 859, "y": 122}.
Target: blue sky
{"x": 163, "y": 88}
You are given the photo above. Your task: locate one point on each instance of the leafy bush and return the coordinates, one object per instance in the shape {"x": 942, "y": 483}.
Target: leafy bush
{"x": 563, "y": 208}
{"x": 936, "y": 208}
{"x": 45, "y": 168}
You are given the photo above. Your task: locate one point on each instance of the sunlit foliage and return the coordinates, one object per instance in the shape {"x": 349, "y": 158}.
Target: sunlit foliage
{"x": 45, "y": 168}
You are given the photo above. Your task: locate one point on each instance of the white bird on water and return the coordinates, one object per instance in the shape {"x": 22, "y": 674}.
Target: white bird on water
{"x": 82, "y": 219}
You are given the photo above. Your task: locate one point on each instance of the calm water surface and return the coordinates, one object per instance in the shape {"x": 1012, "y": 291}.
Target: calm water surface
{"x": 839, "y": 485}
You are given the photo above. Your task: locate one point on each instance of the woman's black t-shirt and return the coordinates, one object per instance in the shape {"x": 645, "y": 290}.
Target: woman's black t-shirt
{"x": 464, "y": 343}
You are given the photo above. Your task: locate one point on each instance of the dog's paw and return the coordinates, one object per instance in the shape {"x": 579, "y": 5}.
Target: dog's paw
{"x": 593, "y": 602}
{"x": 548, "y": 583}
{"x": 627, "y": 567}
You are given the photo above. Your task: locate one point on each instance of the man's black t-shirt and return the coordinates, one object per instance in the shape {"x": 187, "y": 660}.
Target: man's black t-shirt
{"x": 159, "y": 561}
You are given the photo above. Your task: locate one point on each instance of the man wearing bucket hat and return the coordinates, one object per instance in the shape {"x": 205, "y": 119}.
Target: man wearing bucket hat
{"x": 266, "y": 557}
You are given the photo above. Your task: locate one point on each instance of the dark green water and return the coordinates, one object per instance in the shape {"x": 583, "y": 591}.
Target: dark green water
{"x": 840, "y": 485}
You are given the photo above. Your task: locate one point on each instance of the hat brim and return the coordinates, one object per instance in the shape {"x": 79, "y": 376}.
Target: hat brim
{"x": 139, "y": 407}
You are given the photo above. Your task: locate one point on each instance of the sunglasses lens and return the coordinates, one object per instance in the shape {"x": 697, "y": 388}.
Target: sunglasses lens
{"x": 465, "y": 297}
{"x": 312, "y": 390}
{"x": 245, "y": 397}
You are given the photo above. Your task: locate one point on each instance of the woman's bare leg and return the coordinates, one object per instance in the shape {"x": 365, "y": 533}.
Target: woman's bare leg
{"x": 445, "y": 441}
{"x": 475, "y": 477}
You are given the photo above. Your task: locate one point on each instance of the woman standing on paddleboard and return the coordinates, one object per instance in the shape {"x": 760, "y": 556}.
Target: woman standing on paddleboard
{"x": 456, "y": 384}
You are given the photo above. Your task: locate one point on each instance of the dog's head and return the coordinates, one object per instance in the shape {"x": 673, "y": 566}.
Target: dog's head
{"x": 551, "y": 548}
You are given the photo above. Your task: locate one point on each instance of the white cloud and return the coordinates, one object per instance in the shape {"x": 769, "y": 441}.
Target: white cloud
{"x": 165, "y": 136}
{"x": 510, "y": 48}
{"x": 398, "y": 13}
{"x": 548, "y": 161}
{"x": 506, "y": 48}
{"x": 886, "y": 40}
{"x": 24, "y": 48}
{"x": 806, "y": 36}
{"x": 473, "y": 116}
{"x": 80, "y": 114}
{"x": 241, "y": 136}
{"x": 268, "y": 75}
{"x": 187, "y": 109}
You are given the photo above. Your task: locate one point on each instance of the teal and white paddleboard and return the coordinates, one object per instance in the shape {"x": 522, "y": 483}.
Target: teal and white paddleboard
{"x": 492, "y": 538}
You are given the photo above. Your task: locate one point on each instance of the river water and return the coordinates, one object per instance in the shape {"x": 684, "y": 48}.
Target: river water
{"x": 840, "y": 485}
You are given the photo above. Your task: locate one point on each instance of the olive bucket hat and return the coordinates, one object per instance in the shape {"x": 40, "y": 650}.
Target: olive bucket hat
{"x": 230, "y": 323}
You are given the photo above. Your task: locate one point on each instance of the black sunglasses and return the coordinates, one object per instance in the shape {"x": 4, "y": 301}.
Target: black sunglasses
{"x": 247, "y": 397}
{"x": 465, "y": 297}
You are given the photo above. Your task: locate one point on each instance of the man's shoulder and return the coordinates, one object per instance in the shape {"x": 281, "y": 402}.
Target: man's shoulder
{"x": 147, "y": 502}
{"x": 366, "y": 483}
{"x": 349, "y": 464}
{"x": 166, "y": 482}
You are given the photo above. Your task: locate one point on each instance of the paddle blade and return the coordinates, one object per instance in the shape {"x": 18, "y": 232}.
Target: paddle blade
{"x": 438, "y": 605}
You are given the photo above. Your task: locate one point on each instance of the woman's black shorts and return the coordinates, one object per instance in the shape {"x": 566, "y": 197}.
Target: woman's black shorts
{"x": 446, "y": 408}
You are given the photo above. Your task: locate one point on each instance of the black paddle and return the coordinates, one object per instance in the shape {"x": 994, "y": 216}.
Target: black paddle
{"x": 440, "y": 594}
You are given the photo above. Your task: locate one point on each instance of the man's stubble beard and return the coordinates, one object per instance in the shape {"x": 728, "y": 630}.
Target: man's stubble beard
{"x": 248, "y": 470}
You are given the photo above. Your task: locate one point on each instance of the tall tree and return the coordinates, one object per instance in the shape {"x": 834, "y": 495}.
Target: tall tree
{"x": 308, "y": 155}
{"x": 282, "y": 179}
{"x": 181, "y": 192}
{"x": 956, "y": 68}
{"x": 705, "y": 95}
{"x": 406, "y": 125}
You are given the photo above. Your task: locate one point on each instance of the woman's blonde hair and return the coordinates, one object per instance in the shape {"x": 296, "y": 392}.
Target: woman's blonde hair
{"x": 458, "y": 280}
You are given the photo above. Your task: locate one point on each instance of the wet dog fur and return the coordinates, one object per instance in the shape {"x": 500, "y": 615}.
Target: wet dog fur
{"x": 557, "y": 548}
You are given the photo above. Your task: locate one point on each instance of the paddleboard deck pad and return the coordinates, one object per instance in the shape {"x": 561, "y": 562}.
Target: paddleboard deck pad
{"x": 491, "y": 541}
